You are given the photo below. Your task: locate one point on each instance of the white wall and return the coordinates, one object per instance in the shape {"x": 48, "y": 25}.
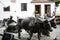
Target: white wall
{"x": 15, "y": 9}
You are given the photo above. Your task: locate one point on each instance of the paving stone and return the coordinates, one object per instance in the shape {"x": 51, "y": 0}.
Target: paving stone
{"x": 24, "y": 35}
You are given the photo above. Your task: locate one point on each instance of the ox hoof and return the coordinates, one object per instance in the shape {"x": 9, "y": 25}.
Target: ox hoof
{"x": 55, "y": 39}
{"x": 47, "y": 34}
{"x": 28, "y": 39}
{"x": 55, "y": 27}
{"x": 51, "y": 30}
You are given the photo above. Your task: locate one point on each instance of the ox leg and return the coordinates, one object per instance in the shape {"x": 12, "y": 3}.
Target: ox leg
{"x": 19, "y": 35}
{"x": 31, "y": 34}
{"x": 40, "y": 32}
{"x": 39, "y": 35}
{"x": 27, "y": 31}
{"x": 19, "y": 31}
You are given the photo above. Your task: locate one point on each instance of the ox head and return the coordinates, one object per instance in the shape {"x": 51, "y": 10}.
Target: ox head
{"x": 47, "y": 26}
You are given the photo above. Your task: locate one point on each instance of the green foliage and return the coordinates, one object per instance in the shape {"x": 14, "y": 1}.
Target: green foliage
{"x": 58, "y": 2}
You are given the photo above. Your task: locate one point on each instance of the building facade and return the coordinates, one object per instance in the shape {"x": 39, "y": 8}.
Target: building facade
{"x": 26, "y": 8}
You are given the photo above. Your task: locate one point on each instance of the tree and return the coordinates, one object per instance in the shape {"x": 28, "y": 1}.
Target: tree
{"x": 57, "y": 3}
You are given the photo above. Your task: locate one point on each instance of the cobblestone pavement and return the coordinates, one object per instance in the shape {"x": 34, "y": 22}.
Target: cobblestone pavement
{"x": 25, "y": 35}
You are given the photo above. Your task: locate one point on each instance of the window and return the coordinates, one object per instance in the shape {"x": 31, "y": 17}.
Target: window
{"x": 23, "y": 6}
{"x": 38, "y": 10}
{"x": 7, "y": 8}
{"x": 48, "y": 10}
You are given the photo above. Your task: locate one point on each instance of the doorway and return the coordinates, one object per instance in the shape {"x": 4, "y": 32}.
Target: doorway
{"x": 48, "y": 10}
{"x": 38, "y": 10}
